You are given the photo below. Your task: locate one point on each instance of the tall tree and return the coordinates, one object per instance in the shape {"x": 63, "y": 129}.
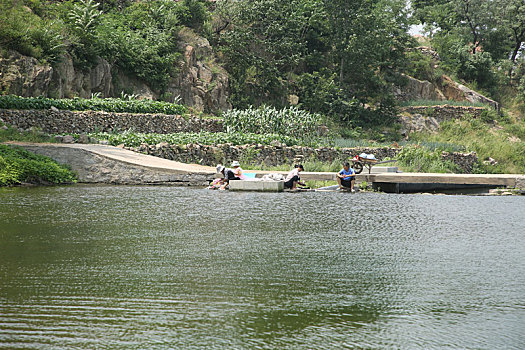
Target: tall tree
{"x": 512, "y": 17}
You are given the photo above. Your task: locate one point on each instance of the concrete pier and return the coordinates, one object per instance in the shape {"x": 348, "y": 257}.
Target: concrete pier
{"x": 253, "y": 185}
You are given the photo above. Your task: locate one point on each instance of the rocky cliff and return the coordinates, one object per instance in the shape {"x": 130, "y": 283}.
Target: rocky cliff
{"x": 443, "y": 88}
{"x": 200, "y": 82}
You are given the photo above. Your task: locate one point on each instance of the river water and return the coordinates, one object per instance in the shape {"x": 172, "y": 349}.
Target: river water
{"x": 93, "y": 267}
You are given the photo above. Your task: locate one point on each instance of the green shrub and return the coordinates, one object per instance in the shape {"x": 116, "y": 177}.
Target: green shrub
{"x": 18, "y": 27}
{"x": 475, "y": 67}
{"x": 95, "y": 104}
{"x": 18, "y": 165}
{"x": 420, "y": 66}
{"x": 142, "y": 40}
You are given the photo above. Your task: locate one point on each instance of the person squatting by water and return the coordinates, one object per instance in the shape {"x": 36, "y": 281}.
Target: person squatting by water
{"x": 293, "y": 178}
{"x": 227, "y": 175}
{"x": 346, "y": 177}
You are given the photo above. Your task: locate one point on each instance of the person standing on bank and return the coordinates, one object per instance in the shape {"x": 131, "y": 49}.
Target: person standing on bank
{"x": 346, "y": 177}
{"x": 293, "y": 179}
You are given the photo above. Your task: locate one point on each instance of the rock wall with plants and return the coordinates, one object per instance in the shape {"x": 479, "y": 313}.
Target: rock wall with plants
{"x": 62, "y": 122}
{"x": 278, "y": 155}
{"x": 428, "y": 118}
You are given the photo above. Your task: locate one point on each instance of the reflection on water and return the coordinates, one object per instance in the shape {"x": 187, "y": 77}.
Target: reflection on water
{"x": 158, "y": 267}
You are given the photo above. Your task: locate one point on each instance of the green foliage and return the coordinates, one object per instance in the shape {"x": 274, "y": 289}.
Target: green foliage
{"x": 420, "y": 66}
{"x": 84, "y": 17}
{"x": 420, "y": 159}
{"x": 139, "y": 37}
{"x": 475, "y": 67}
{"x": 336, "y": 56}
{"x": 192, "y": 13}
{"x": 268, "y": 120}
{"x": 96, "y": 104}
{"x": 18, "y": 166}
{"x": 27, "y": 33}
{"x": 131, "y": 139}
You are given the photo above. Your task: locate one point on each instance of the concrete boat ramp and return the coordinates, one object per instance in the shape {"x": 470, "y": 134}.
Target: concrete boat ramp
{"x": 96, "y": 163}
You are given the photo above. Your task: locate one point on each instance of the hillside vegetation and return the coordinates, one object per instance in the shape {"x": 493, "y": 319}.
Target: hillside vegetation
{"x": 337, "y": 60}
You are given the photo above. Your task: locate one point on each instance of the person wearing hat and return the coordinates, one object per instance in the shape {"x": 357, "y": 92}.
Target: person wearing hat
{"x": 346, "y": 177}
{"x": 227, "y": 175}
{"x": 237, "y": 170}
{"x": 293, "y": 179}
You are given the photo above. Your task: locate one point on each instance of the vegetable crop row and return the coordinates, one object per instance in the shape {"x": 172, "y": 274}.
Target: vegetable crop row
{"x": 131, "y": 139}
{"x": 267, "y": 120}
{"x": 116, "y": 105}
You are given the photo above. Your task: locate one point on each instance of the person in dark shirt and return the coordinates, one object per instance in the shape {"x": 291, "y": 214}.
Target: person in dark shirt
{"x": 227, "y": 175}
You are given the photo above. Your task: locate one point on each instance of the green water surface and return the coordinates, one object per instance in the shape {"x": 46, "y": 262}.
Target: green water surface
{"x": 96, "y": 267}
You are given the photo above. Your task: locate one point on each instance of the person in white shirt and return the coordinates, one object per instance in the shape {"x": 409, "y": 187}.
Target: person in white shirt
{"x": 293, "y": 178}
{"x": 237, "y": 170}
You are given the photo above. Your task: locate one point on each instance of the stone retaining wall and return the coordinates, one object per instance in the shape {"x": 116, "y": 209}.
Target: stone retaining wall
{"x": 277, "y": 155}
{"x": 428, "y": 118}
{"x": 58, "y": 122}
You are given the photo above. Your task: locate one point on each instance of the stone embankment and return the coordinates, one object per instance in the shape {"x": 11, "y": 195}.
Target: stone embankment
{"x": 277, "y": 155}
{"x": 428, "y": 118}
{"x": 58, "y": 122}
{"x": 53, "y": 121}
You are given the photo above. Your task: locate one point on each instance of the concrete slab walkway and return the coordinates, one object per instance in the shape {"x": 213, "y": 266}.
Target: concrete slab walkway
{"x": 126, "y": 156}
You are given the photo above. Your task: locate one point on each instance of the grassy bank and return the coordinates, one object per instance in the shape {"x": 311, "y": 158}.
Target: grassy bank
{"x": 501, "y": 140}
{"x": 12, "y": 134}
{"x": 18, "y": 166}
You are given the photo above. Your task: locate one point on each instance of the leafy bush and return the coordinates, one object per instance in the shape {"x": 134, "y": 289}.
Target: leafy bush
{"x": 268, "y": 120}
{"x": 96, "y": 104}
{"x": 25, "y": 32}
{"x": 142, "y": 40}
{"x": 474, "y": 67}
{"x": 420, "y": 66}
{"x": 131, "y": 139}
{"x": 18, "y": 165}
{"x": 192, "y": 13}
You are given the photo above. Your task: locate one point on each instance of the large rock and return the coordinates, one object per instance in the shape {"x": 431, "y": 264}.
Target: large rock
{"x": 458, "y": 92}
{"x": 416, "y": 89}
{"x": 68, "y": 81}
{"x": 444, "y": 89}
{"x": 201, "y": 83}
{"x": 23, "y": 76}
